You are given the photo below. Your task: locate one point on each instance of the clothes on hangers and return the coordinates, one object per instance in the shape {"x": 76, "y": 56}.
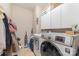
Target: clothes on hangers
{"x": 12, "y": 26}
{"x": 5, "y": 35}
{"x": 2, "y": 34}
{"x": 7, "y": 32}
{"x": 13, "y": 29}
{"x": 1, "y": 9}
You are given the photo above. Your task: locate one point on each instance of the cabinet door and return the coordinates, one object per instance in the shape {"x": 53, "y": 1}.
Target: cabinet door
{"x": 45, "y": 21}
{"x": 66, "y": 16}
{"x": 75, "y": 13}
{"x": 55, "y": 18}
{"x": 70, "y": 15}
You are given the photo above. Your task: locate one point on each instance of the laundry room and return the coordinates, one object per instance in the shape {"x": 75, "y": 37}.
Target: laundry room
{"x": 39, "y": 29}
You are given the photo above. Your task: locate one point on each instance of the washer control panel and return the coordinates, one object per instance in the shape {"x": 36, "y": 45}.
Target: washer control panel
{"x": 66, "y": 40}
{"x": 60, "y": 39}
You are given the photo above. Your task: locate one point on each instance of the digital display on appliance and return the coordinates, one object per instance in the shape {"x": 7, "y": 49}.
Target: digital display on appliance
{"x": 60, "y": 39}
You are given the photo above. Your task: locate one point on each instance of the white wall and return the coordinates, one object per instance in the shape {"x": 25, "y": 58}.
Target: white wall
{"x": 37, "y": 14}
{"x": 23, "y": 19}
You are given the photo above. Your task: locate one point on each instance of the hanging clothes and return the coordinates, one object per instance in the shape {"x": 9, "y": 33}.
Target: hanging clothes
{"x": 7, "y": 32}
{"x": 13, "y": 29}
{"x": 12, "y": 26}
{"x": 25, "y": 40}
{"x": 2, "y": 34}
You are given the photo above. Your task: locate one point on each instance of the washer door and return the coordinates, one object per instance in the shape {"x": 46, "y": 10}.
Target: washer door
{"x": 47, "y": 49}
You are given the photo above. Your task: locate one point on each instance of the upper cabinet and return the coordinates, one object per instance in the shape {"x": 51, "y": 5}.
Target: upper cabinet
{"x": 66, "y": 16}
{"x": 45, "y": 20}
{"x": 55, "y": 18}
{"x": 63, "y": 16}
{"x": 70, "y": 15}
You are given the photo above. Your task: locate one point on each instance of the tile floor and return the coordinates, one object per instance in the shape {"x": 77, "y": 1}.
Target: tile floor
{"x": 25, "y": 52}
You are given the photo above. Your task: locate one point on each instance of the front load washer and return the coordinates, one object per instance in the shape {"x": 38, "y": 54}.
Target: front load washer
{"x": 59, "y": 44}
{"x": 42, "y": 45}
{"x": 55, "y": 44}
{"x": 47, "y": 47}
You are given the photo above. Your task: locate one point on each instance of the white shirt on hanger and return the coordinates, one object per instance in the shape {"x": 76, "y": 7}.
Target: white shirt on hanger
{"x": 2, "y": 34}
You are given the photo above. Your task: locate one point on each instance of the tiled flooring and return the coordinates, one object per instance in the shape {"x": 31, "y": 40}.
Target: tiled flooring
{"x": 25, "y": 52}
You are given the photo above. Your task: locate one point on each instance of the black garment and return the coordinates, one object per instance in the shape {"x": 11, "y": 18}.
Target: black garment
{"x": 25, "y": 39}
{"x": 8, "y": 34}
{"x": 31, "y": 45}
{"x": 4, "y": 53}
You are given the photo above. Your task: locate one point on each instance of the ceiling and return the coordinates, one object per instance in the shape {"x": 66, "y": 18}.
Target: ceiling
{"x": 30, "y": 5}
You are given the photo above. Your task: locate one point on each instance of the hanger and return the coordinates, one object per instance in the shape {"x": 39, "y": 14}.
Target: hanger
{"x": 1, "y": 10}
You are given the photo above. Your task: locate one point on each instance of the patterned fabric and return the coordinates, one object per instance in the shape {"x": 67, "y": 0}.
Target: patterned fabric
{"x": 12, "y": 26}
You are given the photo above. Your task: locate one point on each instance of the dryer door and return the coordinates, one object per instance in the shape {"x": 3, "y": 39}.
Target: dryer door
{"x": 47, "y": 49}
